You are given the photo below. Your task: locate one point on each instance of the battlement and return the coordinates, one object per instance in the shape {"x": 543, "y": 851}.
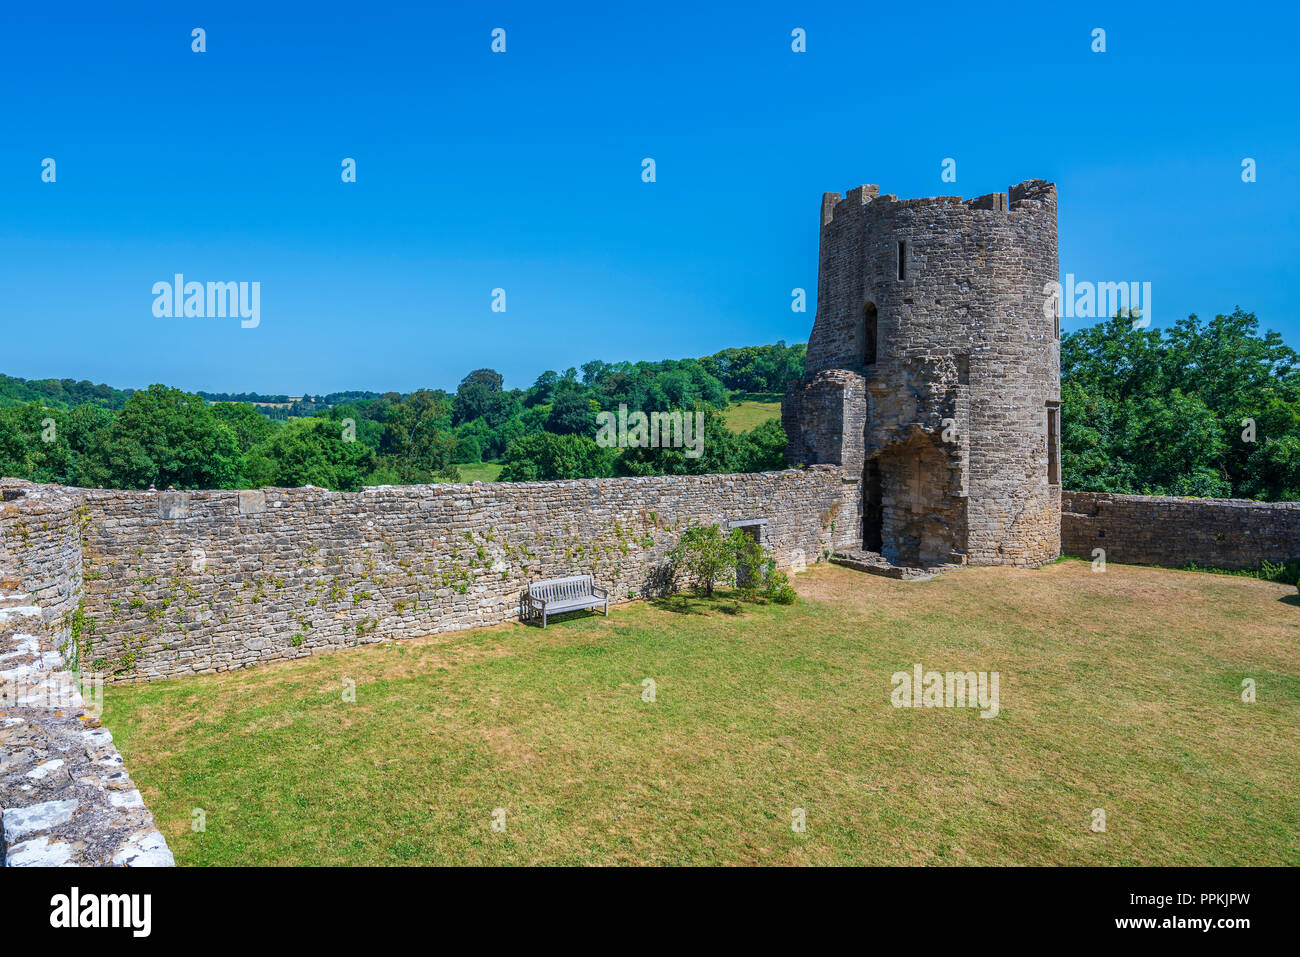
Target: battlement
{"x": 1031, "y": 191}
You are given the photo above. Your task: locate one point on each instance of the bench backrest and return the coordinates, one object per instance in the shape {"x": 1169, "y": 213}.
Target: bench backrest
{"x": 560, "y": 589}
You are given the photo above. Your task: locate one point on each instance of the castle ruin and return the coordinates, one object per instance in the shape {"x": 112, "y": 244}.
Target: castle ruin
{"x": 933, "y": 376}
{"x": 927, "y": 422}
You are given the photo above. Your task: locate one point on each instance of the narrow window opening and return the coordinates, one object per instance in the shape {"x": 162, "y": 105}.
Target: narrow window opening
{"x": 1053, "y": 443}
{"x": 870, "y": 321}
{"x": 873, "y": 512}
{"x": 902, "y": 260}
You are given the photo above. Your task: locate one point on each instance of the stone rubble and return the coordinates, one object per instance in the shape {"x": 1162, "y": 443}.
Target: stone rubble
{"x": 65, "y": 797}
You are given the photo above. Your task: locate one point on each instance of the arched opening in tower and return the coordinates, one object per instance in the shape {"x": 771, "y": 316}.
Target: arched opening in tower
{"x": 867, "y": 334}
{"x": 909, "y": 501}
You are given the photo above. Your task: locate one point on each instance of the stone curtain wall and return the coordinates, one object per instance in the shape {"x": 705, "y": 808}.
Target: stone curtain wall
{"x": 1147, "y": 530}
{"x": 65, "y": 797}
{"x": 197, "y": 582}
{"x": 40, "y": 549}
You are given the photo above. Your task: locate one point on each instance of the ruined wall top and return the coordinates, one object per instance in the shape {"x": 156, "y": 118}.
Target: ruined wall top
{"x": 1031, "y": 191}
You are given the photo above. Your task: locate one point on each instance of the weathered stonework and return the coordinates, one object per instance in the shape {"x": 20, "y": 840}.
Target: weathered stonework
{"x": 932, "y": 372}
{"x": 40, "y": 534}
{"x": 65, "y": 797}
{"x": 199, "y": 582}
{"x": 1150, "y": 530}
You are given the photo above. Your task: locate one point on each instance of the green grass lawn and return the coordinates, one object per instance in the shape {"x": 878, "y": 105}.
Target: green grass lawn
{"x": 480, "y": 471}
{"x": 1118, "y": 691}
{"x": 752, "y": 409}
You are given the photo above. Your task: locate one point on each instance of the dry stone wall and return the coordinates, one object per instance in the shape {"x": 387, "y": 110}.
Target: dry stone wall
{"x": 179, "y": 583}
{"x": 40, "y": 544}
{"x": 65, "y": 796}
{"x": 1150, "y": 530}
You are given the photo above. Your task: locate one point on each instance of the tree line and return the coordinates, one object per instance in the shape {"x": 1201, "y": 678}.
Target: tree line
{"x": 1201, "y": 408}
{"x": 162, "y": 436}
{"x": 1209, "y": 409}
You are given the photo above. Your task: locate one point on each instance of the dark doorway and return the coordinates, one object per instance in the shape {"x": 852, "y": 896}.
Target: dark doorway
{"x": 748, "y": 574}
{"x": 873, "y": 511}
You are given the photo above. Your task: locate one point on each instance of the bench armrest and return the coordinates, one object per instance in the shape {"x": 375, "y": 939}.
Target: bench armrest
{"x": 599, "y": 592}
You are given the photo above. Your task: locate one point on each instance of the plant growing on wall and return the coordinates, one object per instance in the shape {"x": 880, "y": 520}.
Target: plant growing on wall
{"x": 81, "y": 634}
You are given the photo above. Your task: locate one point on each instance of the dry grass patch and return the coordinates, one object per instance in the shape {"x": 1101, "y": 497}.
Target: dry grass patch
{"x": 1118, "y": 690}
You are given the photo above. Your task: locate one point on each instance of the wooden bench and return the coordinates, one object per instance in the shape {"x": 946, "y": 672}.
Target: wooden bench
{"x": 559, "y": 595}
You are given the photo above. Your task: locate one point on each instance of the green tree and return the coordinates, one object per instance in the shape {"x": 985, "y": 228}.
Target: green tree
{"x": 571, "y": 414}
{"x": 1173, "y": 412}
{"x": 250, "y": 426}
{"x": 721, "y": 451}
{"x": 479, "y": 394}
{"x": 34, "y": 443}
{"x": 312, "y": 452}
{"x": 163, "y": 436}
{"x": 1238, "y": 374}
{"x": 705, "y": 557}
{"x": 418, "y": 443}
{"x": 544, "y": 456}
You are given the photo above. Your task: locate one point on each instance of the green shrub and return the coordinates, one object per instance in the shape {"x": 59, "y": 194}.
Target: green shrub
{"x": 704, "y": 556}
{"x": 751, "y": 563}
{"x": 708, "y": 558}
{"x": 780, "y": 590}
{"x": 1284, "y": 573}
{"x": 1288, "y": 573}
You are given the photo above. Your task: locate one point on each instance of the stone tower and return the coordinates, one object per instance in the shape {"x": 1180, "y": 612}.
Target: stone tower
{"x": 933, "y": 375}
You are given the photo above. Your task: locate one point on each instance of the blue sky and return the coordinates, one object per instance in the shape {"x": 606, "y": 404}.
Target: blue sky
{"x": 523, "y": 171}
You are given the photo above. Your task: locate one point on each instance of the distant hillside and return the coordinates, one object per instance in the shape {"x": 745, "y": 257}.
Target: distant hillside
{"x": 257, "y": 398}
{"x": 749, "y": 410}
{"x": 253, "y": 398}
{"x": 749, "y": 369}
{"x": 60, "y": 393}
{"x": 346, "y": 440}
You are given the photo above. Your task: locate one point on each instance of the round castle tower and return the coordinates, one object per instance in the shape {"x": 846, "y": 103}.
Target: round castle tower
{"x": 933, "y": 375}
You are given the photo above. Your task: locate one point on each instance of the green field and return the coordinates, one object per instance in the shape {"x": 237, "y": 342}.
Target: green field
{"x": 480, "y": 471}
{"x": 1119, "y": 691}
{"x": 752, "y": 409}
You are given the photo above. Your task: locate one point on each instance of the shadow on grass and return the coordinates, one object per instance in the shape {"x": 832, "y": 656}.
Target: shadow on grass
{"x": 1290, "y": 600}
{"x": 566, "y": 617}
{"x": 722, "y": 602}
